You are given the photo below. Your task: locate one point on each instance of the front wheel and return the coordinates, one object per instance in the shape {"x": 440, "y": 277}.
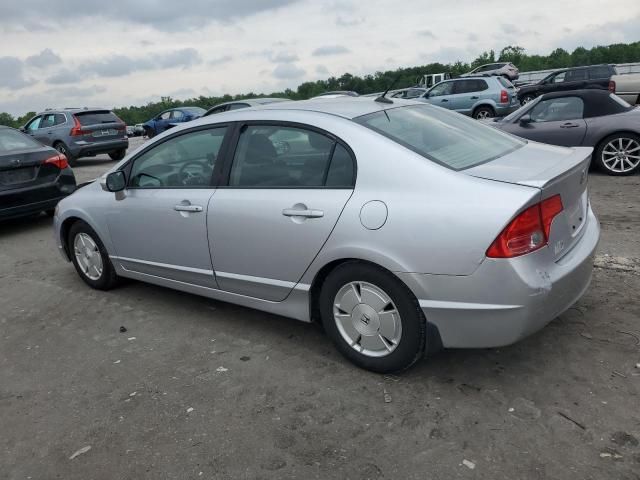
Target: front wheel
{"x": 619, "y": 154}
{"x": 118, "y": 154}
{"x": 481, "y": 113}
{"x": 90, "y": 258}
{"x": 372, "y": 318}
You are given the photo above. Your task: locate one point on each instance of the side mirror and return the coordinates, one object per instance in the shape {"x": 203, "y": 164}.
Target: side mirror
{"x": 23, "y": 129}
{"x": 525, "y": 119}
{"x": 114, "y": 182}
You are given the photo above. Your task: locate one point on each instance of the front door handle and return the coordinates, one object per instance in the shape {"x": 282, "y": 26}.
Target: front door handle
{"x": 444, "y": 100}
{"x": 187, "y": 208}
{"x": 569, "y": 125}
{"x": 474, "y": 98}
{"x": 293, "y": 212}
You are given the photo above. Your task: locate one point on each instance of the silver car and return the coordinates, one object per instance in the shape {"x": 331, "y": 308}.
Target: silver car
{"x": 502, "y": 69}
{"x": 401, "y": 226}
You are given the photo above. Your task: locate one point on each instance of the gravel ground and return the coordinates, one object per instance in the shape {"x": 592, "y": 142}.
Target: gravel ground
{"x": 202, "y": 389}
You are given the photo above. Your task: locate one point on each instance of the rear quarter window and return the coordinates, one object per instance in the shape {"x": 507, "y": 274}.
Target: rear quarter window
{"x": 447, "y": 138}
{"x": 96, "y": 117}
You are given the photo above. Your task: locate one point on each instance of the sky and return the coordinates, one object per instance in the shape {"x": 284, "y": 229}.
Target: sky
{"x": 117, "y": 53}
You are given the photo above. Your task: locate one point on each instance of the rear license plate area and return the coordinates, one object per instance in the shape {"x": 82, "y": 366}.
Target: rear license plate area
{"x": 19, "y": 175}
{"x": 104, "y": 133}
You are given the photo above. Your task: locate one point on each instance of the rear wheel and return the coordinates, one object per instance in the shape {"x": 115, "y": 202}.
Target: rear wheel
{"x": 62, "y": 148}
{"x": 118, "y": 154}
{"x": 90, "y": 258}
{"x": 372, "y": 318}
{"x": 483, "y": 112}
{"x": 619, "y": 154}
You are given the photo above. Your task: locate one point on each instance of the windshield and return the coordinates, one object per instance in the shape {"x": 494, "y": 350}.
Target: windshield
{"x": 447, "y": 138}
{"x": 513, "y": 115}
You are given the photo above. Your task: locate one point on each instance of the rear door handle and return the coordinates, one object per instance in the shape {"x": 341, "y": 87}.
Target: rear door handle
{"x": 444, "y": 100}
{"x": 474, "y": 98}
{"x": 292, "y": 212}
{"x": 569, "y": 125}
{"x": 187, "y": 208}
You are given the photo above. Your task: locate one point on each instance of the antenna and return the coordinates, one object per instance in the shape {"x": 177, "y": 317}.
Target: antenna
{"x": 382, "y": 98}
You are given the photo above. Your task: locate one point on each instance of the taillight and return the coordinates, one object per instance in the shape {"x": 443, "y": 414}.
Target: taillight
{"x": 59, "y": 161}
{"x": 528, "y": 232}
{"x": 612, "y": 86}
{"x": 76, "y": 130}
{"x": 504, "y": 96}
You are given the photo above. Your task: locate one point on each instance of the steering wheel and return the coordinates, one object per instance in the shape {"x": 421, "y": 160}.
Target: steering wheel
{"x": 194, "y": 176}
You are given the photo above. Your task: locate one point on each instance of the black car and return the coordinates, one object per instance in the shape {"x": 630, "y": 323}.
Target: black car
{"x": 33, "y": 177}
{"x": 576, "y": 78}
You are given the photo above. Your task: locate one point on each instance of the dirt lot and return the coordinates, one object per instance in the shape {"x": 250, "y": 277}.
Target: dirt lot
{"x": 201, "y": 389}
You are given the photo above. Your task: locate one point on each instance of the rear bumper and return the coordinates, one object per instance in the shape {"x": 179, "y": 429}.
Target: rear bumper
{"x": 31, "y": 200}
{"x": 503, "y": 301}
{"x": 83, "y": 148}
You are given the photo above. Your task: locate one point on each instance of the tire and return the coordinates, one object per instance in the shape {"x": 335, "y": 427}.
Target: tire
{"x": 527, "y": 98}
{"x": 86, "y": 237}
{"x": 618, "y": 154}
{"x": 384, "y": 345}
{"x": 483, "y": 112}
{"x": 118, "y": 154}
{"x": 149, "y": 132}
{"x": 62, "y": 148}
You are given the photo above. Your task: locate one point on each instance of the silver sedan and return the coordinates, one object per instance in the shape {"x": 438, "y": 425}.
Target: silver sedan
{"x": 400, "y": 226}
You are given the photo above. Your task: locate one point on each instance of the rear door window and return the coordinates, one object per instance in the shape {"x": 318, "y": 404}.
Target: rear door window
{"x": 576, "y": 75}
{"x": 48, "y": 120}
{"x": 278, "y": 156}
{"x": 177, "y": 115}
{"x": 96, "y": 117}
{"x": 599, "y": 72}
{"x": 60, "y": 119}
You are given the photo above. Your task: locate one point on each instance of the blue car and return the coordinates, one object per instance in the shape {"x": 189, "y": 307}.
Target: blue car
{"x": 479, "y": 97}
{"x": 170, "y": 118}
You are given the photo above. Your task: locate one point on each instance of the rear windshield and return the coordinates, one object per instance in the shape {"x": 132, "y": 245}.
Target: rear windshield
{"x": 96, "y": 117}
{"x": 505, "y": 83}
{"x": 11, "y": 140}
{"x": 447, "y": 138}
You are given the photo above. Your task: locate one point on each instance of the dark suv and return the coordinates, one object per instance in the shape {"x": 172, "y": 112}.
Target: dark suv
{"x": 80, "y": 132}
{"x": 576, "y": 78}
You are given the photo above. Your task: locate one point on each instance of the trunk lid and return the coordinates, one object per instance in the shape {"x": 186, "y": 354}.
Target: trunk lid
{"x": 24, "y": 168}
{"x": 554, "y": 171}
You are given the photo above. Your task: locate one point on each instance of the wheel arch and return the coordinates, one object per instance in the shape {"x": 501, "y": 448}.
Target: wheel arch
{"x": 484, "y": 104}
{"x": 65, "y": 228}
{"x": 434, "y": 341}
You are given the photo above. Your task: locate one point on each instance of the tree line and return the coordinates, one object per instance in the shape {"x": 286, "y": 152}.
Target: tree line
{"x": 379, "y": 81}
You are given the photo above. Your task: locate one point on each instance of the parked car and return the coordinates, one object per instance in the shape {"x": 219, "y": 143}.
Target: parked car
{"x": 130, "y": 129}
{"x": 138, "y": 129}
{"x": 504, "y": 69}
{"x": 408, "y": 93}
{"x": 576, "y": 78}
{"x": 33, "y": 177}
{"x": 169, "y": 118}
{"x": 587, "y": 118}
{"x": 431, "y": 79}
{"x": 246, "y": 103}
{"x": 481, "y": 97}
{"x": 80, "y": 132}
{"x": 337, "y": 94}
{"x": 626, "y": 87}
{"x": 322, "y": 231}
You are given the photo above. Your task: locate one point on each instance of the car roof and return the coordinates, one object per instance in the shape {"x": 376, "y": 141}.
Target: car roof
{"x": 74, "y": 110}
{"x": 596, "y": 102}
{"x": 346, "y": 107}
